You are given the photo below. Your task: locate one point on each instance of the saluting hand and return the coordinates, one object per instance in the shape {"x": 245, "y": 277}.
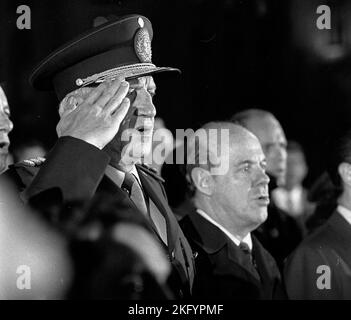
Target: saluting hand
{"x": 94, "y": 114}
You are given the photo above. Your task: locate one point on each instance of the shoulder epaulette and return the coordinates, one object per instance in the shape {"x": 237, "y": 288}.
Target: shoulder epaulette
{"x": 24, "y": 171}
{"x": 35, "y": 162}
{"x": 151, "y": 171}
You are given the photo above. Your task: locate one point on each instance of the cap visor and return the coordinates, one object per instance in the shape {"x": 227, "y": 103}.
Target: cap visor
{"x": 151, "y": 72}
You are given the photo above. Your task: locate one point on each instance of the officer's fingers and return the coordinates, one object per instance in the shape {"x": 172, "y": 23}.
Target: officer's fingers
{"x": 118, "y": 98}
{"x": 121, "y": 111}
{"x": 73, "y": 100}
{"x": 84, "y": 92}
{"x": 109, "y": 93}
{"x": 79, "y": 100}
{"x": 62, "y": 107}
{"x": 96, "y": 93}
{"x": 67, "y": 105}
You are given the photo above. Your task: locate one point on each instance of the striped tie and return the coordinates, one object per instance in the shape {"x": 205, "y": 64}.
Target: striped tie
{"x": 131, "y": 185}
{"x": 248, "y": 254}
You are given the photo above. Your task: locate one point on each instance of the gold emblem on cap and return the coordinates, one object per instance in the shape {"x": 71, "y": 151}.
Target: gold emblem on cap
{"x": 141, "y": 22}
{"x": 142, "y": 45}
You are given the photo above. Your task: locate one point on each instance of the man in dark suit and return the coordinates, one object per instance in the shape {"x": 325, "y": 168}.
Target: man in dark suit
{"x": 320, "y": 268}
{"x": 280, "y": 234}
{"x": 104, "y": 81}
{"x": 230, "y": 200}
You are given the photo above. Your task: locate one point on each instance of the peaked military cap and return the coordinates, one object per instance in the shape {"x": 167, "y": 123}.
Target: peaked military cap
{"x": 120, "y": 47}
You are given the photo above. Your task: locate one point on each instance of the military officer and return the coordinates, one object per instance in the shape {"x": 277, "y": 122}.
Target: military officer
{"x": 103, "y": 79}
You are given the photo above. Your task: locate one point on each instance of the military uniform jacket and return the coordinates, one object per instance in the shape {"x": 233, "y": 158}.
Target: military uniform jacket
{"x": 320, "y": 268}
{"x": 77, "y": 169}
{"x": 222, "y": 272}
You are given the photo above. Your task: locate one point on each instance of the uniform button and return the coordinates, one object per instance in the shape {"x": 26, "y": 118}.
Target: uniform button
{"x": 173, "y": 255}
{"x": 195, "y": 254}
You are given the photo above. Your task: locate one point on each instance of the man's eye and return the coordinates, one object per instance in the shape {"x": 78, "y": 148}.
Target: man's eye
{"x": 152, "y": 93}
{"x": 7, "y": 112}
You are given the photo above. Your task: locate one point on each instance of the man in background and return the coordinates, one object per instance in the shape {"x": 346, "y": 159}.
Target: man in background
{"x": 320, "y": 268}
{"x": 292, "y": 197}
{"x": 280, "y": 234}
{"x": 228, "y": 205}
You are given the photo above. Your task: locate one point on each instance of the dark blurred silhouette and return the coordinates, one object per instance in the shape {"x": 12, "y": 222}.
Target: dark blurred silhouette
{"x": 113, "y": 251}
{"x": 320, "y": 268}
{"x": 324, "y": 195}
{"x": 34, "y": 258}
{"x": 292, "y": 196}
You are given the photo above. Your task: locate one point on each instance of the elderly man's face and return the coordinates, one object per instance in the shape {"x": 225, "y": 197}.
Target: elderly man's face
{"x": 134, "y": 138}
{"x": 5, "y": 127}
{"x": 273, "y": 142}
{"x": 243, "y": 191}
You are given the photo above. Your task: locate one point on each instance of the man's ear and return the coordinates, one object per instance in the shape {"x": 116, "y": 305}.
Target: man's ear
{"x": 344, "y": 170}
{"x": 202, "y": 180}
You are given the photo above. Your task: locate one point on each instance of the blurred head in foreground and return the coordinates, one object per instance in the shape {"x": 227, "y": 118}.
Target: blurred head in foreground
{"x": 34, "y": 263}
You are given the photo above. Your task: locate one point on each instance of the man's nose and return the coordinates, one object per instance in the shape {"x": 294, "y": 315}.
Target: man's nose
{"x": 262, "y": 177}
{"x": 281, "y": 154}
{"x": 144, "y": 105}
{"x": 5, "y": 124}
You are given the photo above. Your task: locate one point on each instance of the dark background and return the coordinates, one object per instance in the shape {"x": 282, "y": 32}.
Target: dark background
{"x": 233, "y": 54}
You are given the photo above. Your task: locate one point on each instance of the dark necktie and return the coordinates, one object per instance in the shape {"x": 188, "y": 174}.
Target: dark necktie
{"x": 132, "y": 187}
{"x": 248, "y": 254}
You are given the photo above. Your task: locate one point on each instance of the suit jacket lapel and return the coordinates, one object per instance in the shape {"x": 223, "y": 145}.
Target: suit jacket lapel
{"x": 263, "y": 268}
{"x": 212, "y": 240}
{"x": 237, "y": 256}
{"x": 207, "y": 236}
{"x": 107, "y": 185}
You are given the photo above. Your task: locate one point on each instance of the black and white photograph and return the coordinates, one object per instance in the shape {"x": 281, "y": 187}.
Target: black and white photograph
{"x": 176, "y": 156}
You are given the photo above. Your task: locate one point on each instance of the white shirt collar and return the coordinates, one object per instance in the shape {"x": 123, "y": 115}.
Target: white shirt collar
{"x": 247, "y": 238}
{"x": 117, "y": 176}
{"x": 346, "y": 213}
